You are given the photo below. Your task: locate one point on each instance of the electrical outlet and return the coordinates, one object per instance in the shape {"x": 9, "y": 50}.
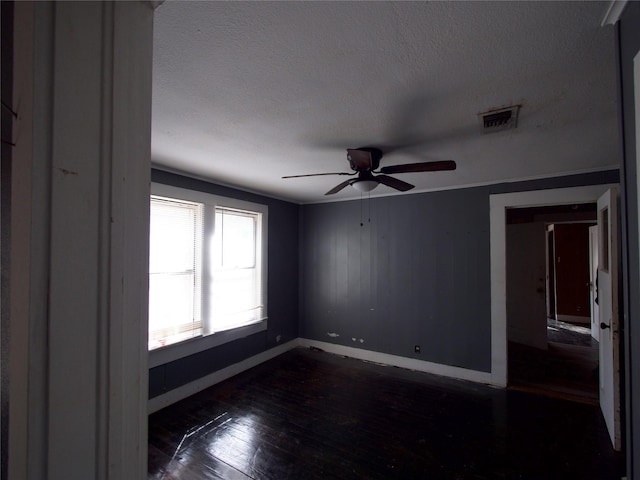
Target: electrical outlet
{"x": 416, "y": 349}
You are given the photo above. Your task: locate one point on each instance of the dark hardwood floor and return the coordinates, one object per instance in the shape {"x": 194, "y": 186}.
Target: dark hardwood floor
{"x": 567, "y": 369}
{"x": 570, "y": 334}
{"x": 310, "y": 415}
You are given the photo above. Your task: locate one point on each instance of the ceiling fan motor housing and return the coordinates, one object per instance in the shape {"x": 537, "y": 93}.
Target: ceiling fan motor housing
{"x": 374, "y": 153}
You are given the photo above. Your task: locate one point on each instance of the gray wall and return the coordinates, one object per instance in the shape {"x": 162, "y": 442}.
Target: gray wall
{"x": 629, "y": 36}
{"x": 415, "y": 275}
{"x": 418, "y": 274}
{"x": 282, "y": 292}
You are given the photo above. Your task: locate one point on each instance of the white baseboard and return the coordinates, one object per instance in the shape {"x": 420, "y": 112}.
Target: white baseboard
{"x": 180, "y": 393}
{"x": 156, "y": 403}
{"x": 402, "y": 362}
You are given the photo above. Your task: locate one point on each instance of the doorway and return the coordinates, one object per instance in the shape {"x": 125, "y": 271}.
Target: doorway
{"x": 550, "y": 349}
{"x": 609, "y": 369}
{"x": 498, "y": 205}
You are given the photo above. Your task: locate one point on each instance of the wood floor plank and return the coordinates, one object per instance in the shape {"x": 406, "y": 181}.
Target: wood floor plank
{"x": 309, "y": 414}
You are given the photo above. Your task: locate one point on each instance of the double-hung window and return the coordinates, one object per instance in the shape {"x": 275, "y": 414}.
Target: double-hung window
{"x": 207, "y": 265}
{"x": 175, "y": 270}
{"x": 235, "y": 292}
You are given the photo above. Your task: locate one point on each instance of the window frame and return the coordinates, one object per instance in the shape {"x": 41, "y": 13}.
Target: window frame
{"x": 212, "y": 339}
{"x": 189, "y": 329}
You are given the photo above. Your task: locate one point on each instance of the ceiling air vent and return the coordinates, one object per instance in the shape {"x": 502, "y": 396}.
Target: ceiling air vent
{"x": 500, "y": 119}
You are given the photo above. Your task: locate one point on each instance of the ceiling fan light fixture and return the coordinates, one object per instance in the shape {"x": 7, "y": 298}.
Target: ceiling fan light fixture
{"x": 364, "y": 185}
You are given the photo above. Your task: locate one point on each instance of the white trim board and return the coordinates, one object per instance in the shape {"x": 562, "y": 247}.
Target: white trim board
{"x": 170, "y": 353}
{"x": 613, "y": 12}
{"x": 213, "y": 181}
{"x": 398, "y": 361}
{"x": 172, "y": 396}
{"x": 184, "y": 391}
{"x": 486, "y": 183}
{"x": 497, "y": 212}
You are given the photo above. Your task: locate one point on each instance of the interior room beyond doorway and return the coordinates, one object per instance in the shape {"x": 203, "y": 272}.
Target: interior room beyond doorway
{"x": 550, "y": 292}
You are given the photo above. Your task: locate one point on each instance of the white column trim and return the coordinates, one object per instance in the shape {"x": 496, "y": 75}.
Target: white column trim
{"x": 79, "y": 252}
{"x": 30, "y": 236}
{"x": 130, "y": 145}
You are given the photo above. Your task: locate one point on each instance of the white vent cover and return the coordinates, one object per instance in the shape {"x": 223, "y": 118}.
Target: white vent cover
{"x": 499, "y": 119}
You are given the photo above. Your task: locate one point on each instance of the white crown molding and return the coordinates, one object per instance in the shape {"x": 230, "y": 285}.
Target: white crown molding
{"x": 528, "y": 178}
{"x": 613, "y": 12}
{"x": 155, "y": 3}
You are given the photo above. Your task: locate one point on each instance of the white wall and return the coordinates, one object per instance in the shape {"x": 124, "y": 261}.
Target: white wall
{"x": 526, "y": 273}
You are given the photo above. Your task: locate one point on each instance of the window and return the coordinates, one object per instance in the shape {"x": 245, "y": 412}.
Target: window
{"x": 235, "y": 290}
{"x": 207, "y": 265}
{"x": 175, "y": 271}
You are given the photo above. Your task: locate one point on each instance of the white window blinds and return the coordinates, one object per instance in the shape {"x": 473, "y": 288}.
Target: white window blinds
{"x": 175, "y": 271}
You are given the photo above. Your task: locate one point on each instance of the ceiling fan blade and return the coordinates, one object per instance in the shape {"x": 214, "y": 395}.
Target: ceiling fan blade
{"x": 319, "y": 174}
{"x": 394, "y": 183}
{"x": 337, "y": 188}
{"x": 359, "y": 159}
{"x": 420, "y": 167}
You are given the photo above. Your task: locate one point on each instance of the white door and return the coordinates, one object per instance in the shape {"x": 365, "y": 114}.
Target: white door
{"x": 608, "y": 306}
{"x": 593, "y": 272}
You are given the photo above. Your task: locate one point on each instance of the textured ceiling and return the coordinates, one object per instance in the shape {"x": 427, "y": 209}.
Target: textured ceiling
{"x": 246, "y": 92}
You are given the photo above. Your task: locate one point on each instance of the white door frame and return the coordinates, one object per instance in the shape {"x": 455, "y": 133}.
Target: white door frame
{"x": 498, "y": 204}
{"x": 609, "y": 353}
{"x": 549, "y": 272}
{"x": 78, "y": 289}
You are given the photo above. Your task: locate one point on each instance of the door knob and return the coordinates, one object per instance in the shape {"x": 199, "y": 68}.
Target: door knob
{"x": 604, "y": 326}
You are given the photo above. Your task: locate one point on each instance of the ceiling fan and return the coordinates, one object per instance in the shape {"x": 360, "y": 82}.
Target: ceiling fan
{"x": 364, "y": 162}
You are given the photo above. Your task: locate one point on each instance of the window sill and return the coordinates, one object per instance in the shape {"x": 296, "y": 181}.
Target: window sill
{"x": 183, "y": 349}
